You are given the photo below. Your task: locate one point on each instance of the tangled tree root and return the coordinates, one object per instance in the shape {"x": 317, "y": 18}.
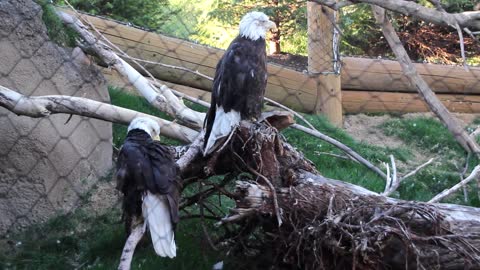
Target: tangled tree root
{"x": 326, "y": 223}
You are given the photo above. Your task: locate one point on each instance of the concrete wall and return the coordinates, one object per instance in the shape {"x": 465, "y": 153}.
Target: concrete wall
{"x": 46, "y": 164}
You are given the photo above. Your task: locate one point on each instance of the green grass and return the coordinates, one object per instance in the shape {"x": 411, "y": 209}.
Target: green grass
{"x": 81, "y": 240}
{"x": 56, "y": 30}
{"x": 339, "y": 168}
{"x": 87, "y": 241}
{"x": 424, "y": 132}
{"x": 431, "y": 138}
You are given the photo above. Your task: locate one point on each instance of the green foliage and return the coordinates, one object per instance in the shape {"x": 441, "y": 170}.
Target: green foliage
{"x": 57, "y": 32}
{"x": 343, "y": 169}
{"x": 359, "y": 30}
{"x": 145, "y": 13}
{"x": 431, "y": 138}
{"x": 458, "y": 5}
{"x": 222, "y": 23}
{"x": 81, "y": 240}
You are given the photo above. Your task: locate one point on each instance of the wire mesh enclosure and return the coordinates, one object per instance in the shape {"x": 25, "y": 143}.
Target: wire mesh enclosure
{"x": 69, "y": 88}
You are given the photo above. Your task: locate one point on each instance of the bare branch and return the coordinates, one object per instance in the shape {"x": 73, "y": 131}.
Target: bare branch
{"x": 184, "y": 96}
{"x": 127, "y": 254}
{"x": 165, "y": 101}
{"x": 423, "y": 89}
{"x": 474, "y": 175}
{"x": 469, "y": 19}
{"x": 43, "y": 106}
{"x": 462, "y": 45}
{"x": 342, "y": 147}
{"x": 196, "y": 72}
{"x": 395, "y": 184}
{"x": 417, "y": 169}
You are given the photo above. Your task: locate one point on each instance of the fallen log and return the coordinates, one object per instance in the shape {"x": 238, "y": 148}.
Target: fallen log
{"x": 337, "y": 225}
{"x": 330, "y": 224}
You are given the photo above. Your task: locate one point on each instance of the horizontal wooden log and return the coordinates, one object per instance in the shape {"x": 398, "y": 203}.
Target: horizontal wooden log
{"x": 371, "y": 101}
{"x": 43, "y": 106}
{"x": 352, "y": 101}
{"x": 292, "y": 88}
{"x": 387, "y": 75}
{"x": 284, "y": 85}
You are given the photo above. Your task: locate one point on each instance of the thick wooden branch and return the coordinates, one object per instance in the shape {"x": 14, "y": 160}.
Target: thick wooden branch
{"x": 161, "y": 98}
{"x": 468, "y": 19}
{"x": 435, "y": 105}
{"x": 132, "y": 241}
{"x": 331, "y": 223}
{"x": 43, "y": 106}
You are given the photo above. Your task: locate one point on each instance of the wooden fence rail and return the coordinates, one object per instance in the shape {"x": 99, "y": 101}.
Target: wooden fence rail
{"x": 368, "y": 85}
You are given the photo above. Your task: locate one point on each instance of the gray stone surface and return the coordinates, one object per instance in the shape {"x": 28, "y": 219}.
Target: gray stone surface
{"x": 46, "y": 164}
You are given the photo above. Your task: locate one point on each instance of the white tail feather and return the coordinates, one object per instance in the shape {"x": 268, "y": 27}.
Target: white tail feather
{"x": 156, "y": 212}
{"x": 222, "y": 126}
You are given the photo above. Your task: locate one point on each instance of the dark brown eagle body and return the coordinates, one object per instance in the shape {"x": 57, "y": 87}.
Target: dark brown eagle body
{"x": 238, "y": 86}
{"x": 146, "y": 165}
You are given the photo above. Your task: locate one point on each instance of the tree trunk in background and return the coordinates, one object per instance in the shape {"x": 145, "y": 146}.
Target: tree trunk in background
{"x": 275, "y": 40}
{"x": 331, "y": 224}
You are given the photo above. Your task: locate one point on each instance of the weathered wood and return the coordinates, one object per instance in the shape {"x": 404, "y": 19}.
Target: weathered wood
{"x": 330, "y": 224}
{"x": 452, "y": 124}
{"x": 336, "y": 223}
{"x": 283, "y": 85}
{"x": 320, "y": 62}
{"x": 116, "y": 80}
{"x": 161, "y": 97}
{"x": 387, "y": 75}
{"x": 469, "y": 19}
{"x": 352, "y": 101}
{"x": 287, "y": 86}
{"x": 372, "y": 101}
{"x": 43, "y": 106}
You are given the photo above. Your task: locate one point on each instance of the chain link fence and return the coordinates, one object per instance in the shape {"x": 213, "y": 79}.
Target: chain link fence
{"x": 53, "y": 165}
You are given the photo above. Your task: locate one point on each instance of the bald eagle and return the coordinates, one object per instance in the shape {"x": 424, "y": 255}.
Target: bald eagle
{"x": 240, "y": 80}
{"x": 147, "y": 177}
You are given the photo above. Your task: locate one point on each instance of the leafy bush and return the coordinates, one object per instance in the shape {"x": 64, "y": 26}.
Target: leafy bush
{"x": 56, "y": 31}
{"x": 145, "y": 13}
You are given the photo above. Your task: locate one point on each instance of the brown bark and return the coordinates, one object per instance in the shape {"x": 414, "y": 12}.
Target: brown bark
{"x": 354, "y": 227}
{"x": 330, "y": 224}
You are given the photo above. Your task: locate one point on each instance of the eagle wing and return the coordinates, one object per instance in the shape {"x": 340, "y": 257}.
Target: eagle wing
{"x": 238, "y": 89}
{"x": 143, "y": 167}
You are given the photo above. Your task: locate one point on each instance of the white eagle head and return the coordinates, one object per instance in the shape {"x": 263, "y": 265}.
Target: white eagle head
{"x": 255, "y": 25}
{"x": 146, "y": 124}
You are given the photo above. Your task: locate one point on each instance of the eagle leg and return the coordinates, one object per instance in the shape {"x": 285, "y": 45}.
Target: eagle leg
{"x": 136, "y": 234}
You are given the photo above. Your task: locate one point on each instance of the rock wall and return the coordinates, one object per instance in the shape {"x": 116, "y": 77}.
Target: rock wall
{"x": 46, "y": 164}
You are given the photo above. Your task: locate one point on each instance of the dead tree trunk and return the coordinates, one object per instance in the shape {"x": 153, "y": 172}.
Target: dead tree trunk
{"x": 329, "y": 224}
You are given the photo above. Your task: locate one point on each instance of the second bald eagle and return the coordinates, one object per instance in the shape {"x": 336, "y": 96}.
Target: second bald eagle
{"x": 240, "y": 80}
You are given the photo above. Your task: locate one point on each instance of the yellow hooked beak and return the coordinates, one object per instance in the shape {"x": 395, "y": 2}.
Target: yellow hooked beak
{"x": 156, "y": 138}
{"x": 272, "y": 26}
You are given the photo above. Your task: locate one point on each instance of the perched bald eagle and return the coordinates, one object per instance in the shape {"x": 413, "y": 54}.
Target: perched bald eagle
{"x": 147, "y": 177}
{"x": 240, "y": 80}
